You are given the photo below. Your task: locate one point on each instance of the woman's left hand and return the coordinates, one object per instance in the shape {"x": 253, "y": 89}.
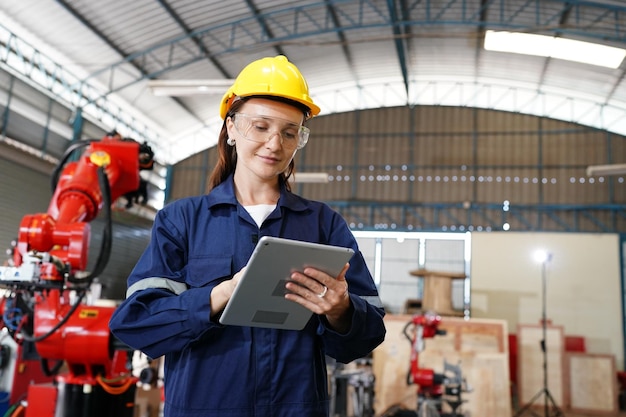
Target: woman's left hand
{"x": 322, "y": 294}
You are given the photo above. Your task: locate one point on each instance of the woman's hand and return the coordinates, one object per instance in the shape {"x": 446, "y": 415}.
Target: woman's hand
{"x": 223, "y": 291}
{"x": 322, "y": 294}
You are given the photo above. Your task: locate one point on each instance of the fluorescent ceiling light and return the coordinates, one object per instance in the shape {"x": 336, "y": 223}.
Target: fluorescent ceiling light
{"x": 176, "y": 88}
{"x": 601, "y": 170}
{"x": 309, "y": 177}
{"x": 554, "y": 47}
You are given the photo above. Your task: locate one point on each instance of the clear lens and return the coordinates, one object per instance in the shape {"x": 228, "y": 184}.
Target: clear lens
{"x": 262, "y": 128}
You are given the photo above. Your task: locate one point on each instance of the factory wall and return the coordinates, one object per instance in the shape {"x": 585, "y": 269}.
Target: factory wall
{"x": 431, "y": 155}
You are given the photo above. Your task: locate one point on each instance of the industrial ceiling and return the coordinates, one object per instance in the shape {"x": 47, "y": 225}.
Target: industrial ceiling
{"x": 357, "y": 54}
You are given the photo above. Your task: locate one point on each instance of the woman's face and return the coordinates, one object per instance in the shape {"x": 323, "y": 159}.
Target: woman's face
{"x": 266, "y": 135}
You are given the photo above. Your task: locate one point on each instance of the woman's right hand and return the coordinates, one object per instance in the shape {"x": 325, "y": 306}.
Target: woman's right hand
{"x": 223, "y": 291}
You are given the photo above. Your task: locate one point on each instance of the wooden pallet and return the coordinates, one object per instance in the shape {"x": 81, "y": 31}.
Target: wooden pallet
{"x": 591, "y": 383}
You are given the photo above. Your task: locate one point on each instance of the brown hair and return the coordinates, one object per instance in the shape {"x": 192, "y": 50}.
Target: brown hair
{"x": 227, "y": 156}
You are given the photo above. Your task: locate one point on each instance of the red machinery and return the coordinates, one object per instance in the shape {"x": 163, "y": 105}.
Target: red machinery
{"x": 46, "y": 283}
{"x": 434, "y": 389}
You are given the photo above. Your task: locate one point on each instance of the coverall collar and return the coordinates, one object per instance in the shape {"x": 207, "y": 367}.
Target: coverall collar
{"x": 224, "y": 193}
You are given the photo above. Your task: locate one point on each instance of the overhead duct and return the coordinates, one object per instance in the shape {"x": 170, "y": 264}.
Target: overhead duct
{"x": 309, "y": 177}
{"x": 606, "y": 170}
{"x": 177, "y": 88}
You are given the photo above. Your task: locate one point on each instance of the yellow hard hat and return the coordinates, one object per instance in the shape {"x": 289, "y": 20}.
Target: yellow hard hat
{"x": 270, "y": 77}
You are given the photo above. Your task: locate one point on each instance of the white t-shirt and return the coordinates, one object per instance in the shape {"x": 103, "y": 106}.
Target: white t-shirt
{"x": 259, "y": 212}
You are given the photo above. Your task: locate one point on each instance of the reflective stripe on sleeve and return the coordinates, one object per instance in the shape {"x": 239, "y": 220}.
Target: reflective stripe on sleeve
{"x": 168, "y": 284}
{"x": 373, "y": 300}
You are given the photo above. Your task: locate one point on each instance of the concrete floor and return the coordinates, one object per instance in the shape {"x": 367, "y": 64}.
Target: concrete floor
{"x": 540, "y": 413}
{"x": 537, "y": 410}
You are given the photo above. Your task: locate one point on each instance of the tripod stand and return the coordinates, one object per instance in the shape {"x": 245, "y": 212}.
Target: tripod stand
{"x": 547, "y": 396}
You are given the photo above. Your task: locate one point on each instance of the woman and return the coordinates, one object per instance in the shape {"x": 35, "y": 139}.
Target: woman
{"x": 199, "y": 246}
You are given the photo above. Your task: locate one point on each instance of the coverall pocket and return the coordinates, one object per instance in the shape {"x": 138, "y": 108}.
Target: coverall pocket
{"x": 203, "y": 271}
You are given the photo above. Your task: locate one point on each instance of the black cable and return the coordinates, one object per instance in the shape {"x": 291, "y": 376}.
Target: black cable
{"x": 55, "y": 369}
{"x": 409, "y": 375}
{"x": 30, "y": 338}
{"x": 107, "y": 236}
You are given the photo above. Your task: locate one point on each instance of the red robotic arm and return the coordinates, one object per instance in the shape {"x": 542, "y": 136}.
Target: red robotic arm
{"x": 434, "y": 389}
{"x": 423, "y": 326}
{"x": 64, "y": 231}
{"x": 47, "y": 276}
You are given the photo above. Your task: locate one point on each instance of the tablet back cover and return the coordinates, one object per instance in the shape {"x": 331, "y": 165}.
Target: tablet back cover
{"x": 258, "y": 300}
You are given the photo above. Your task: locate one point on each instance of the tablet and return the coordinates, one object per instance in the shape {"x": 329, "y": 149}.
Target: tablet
{"x": 259, "y": 298}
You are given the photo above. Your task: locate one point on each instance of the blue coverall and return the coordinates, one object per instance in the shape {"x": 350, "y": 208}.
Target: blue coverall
{"x": 213, "y": 370}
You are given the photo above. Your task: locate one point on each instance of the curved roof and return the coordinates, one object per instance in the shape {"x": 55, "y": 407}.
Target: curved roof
{"x": 355, "y": 54}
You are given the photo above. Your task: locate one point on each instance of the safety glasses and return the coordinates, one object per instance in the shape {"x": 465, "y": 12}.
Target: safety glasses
{"x": 262, "y": 128}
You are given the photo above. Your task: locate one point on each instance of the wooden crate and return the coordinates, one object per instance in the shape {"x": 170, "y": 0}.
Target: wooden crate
{"x": 530, "y": 363}
{"x": 390, "y": 364}
{"x": 591, "y": 383}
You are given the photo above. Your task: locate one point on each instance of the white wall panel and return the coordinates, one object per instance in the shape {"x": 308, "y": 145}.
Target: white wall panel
{"x": 583, "y": 289}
